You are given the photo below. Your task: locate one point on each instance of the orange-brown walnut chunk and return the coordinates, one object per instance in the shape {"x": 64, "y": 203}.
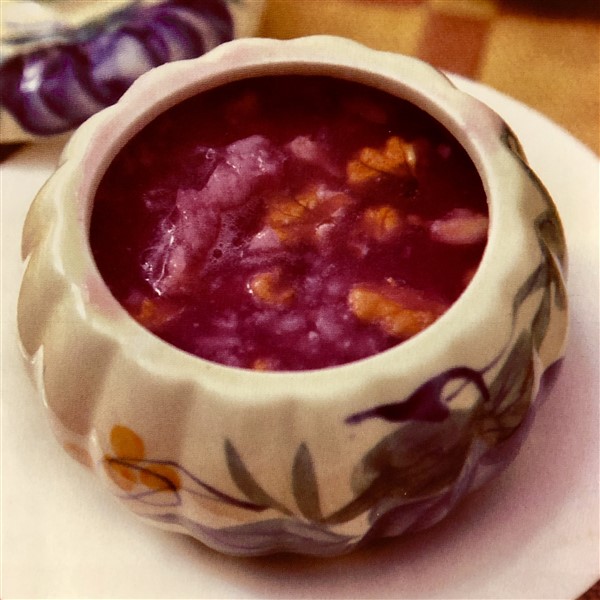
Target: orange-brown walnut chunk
{"x": 306, "y": 216}
{"x": 267, "y": 288}
{"x": 397, "y": 158}
{"x": 382, "y": 223}
{"x": 398, "y": 311}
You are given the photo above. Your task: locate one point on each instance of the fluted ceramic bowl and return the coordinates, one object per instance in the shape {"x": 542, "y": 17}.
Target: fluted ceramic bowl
{"x": 319, "y": 461}
{"x": 61, "y": 62}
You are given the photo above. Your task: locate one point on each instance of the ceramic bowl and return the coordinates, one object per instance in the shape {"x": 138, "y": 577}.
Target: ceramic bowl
{"x": 314, "y": 462}
{"x": 61, "y": 62}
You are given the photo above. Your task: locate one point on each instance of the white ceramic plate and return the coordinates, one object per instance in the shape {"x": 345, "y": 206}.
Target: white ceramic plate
{"x": 533, "y": 533}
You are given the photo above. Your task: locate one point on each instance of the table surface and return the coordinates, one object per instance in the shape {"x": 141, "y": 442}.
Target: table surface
{"x": 544, "y": 53}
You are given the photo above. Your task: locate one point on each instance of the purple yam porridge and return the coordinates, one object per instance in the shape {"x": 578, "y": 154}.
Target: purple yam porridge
{"x": 289, "y": 223}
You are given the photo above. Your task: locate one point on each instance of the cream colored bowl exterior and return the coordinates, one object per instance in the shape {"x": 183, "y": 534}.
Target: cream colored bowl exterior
{"x": 313, "y": 462}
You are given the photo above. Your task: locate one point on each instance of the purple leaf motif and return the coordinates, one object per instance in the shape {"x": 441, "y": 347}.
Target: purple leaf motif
{"x": 426, "y": 403}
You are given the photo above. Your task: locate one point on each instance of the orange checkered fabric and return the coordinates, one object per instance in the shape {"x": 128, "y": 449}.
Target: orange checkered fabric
{"x": 545, "y": 53}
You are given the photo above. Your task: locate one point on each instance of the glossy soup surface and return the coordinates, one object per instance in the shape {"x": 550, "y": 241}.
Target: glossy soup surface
{"x": 289, "y": 223}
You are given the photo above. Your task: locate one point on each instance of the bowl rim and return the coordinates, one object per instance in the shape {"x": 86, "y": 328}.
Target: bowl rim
{"x": 475, "y": 126}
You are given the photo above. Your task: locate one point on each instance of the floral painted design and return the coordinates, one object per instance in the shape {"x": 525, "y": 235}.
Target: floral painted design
{"x": 142, "y": 478}
{"x": 64, "y": 75}
{"x": 163, "y": 483}
{"x": 154, "y": 481}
